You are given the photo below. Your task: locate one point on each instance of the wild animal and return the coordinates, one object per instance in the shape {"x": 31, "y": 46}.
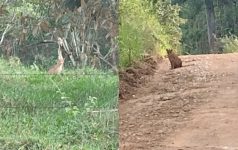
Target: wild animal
{"x": 57, "y": 68}
{"x": 175, "y": 61}
{"x": 96, "y": 64}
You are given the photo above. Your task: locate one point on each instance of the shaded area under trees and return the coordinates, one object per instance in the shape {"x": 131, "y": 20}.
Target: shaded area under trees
{"x": 29, "y": 30}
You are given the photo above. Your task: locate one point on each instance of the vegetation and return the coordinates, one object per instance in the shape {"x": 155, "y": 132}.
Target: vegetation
{"x": 30, "y": 30}
{"x": 219, "y": 17}
{"x": 190, "y": 27}
{"x": 147, "y": 27}
{"x": 74, "y": 110}
{"x": 69, "y": 111}
{"x": 229, "y": 44}
{"x": 78, "y": 108}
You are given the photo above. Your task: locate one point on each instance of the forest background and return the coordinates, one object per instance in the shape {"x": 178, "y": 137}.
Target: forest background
{"x": 187, "y": 26}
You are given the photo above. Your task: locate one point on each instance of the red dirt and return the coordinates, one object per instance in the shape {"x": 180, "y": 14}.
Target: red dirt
{"x": 189, "y": 108}
{"x": 136, "y": 76}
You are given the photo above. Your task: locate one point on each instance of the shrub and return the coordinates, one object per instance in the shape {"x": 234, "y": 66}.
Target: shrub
{"x": 146, "y": 29}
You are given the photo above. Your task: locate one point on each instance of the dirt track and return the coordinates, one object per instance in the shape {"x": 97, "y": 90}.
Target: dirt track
{"x": 191, "y": 108}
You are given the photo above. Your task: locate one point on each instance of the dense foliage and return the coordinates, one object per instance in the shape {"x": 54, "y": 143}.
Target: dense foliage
{"x": 195, "y": 35}
{"x": 151, "y": 26}
{"x": 147, "y": 27}
{"x": 30, "y": 28}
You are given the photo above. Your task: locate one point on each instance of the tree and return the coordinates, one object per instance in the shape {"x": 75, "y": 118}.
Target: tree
{"x": 88, "y": 28}
{"x": 211, "y": 25}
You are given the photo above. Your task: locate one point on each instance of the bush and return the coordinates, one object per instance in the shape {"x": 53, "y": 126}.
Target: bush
{"x": 230, "y": 44}
{"x": 145, "y": 29}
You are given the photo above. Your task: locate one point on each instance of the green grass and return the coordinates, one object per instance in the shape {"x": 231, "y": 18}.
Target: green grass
{"x": 68, "y": 111}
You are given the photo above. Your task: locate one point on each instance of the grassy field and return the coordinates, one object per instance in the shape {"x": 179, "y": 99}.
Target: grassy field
{"x": 68, "y": 111}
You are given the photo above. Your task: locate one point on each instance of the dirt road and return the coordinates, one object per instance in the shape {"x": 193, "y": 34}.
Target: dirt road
{"x": 191, "y": 108}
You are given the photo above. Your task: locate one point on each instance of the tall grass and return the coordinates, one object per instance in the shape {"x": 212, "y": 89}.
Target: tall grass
{"x": 68, "y": 111}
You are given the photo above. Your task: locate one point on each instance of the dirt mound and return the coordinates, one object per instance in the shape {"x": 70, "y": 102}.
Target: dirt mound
{"x": 135, "y": 76}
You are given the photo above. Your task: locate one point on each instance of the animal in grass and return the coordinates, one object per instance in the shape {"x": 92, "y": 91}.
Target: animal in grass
{"x": 57, "y": 68}
{"x": 175, "y": 61}
{"x": 96, "y": 64}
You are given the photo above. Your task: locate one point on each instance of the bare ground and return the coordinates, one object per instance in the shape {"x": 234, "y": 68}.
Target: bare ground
{"x": 191, "y": 108}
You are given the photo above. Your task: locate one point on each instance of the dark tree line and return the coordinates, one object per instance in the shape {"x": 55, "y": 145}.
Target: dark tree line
{"x": 207, "y": 21}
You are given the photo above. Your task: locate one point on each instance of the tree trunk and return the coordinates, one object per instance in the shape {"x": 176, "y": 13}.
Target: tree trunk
{"x": 235, "y": 18}
{"x": 211, "y": 25}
